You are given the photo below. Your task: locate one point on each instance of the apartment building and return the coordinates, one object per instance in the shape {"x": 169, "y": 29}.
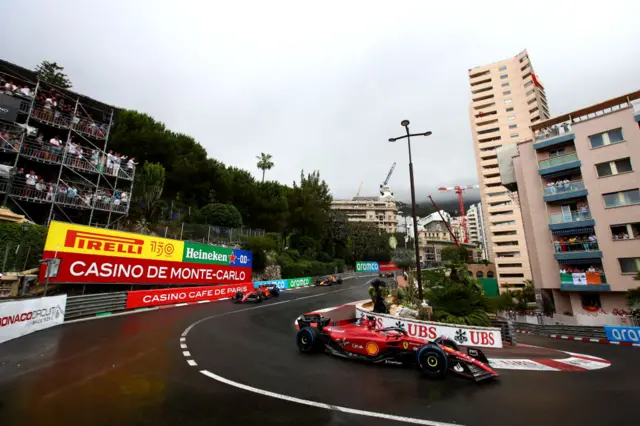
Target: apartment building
{"x": 579, "y": 184}
{"x": 506, "y": 99}
{"x": 380, "y": 211}
{"x": 475, "y": 227}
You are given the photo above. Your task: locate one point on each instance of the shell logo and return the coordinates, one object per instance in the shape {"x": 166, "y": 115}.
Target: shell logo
{"x": 372, "y": 349}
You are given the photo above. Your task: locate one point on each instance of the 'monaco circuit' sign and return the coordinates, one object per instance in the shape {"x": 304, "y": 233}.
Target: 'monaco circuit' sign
{"x": 429, "y": 331}
{"x": 92, "y": 255}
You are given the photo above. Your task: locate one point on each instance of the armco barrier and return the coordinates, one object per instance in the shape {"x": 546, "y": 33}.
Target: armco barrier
{"x": 92, "y": 304}
{"x": 567, "y": 330}
{"x": 507, "y": 330}
{"x": 107, "y": 303}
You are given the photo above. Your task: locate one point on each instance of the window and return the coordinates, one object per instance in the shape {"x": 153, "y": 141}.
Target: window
{"x": 627, "y": 231}
{"x": 505, "y": 223}
{"x": 528, "y": 83}
{"x": 509, "y": 109}
{"x": 503, "y": 76}
{"x": 606, "y": 138}
{"x": 529, "y": 92}
{"x": 514, "y": 135}
{"x": 490, "y": 274}
{"x": 511, "y": 117}
{"x": 511, "y": 265}
{"x": 479, "y": 274}
{"x": 629, "y": 265}
{"x": 511, "y": 275}
{"x": 505, "y": 84}
{"x": 506, "y": 92}
{"x": 556, "y": 153}
{"x": 507, "y": 101}
{"x": 494, "y": 129}
{"x": 513, "y": 126}
{"x": 502, "y": 68}
{"x": 622, "y": 198}
{"x": 612, "y": 168}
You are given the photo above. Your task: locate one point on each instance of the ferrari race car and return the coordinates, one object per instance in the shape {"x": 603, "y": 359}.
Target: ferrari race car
{"x": 387, "y": 275}
{"x": 364, "y": 341}
{"x": 329, "y": 281}
{"x": 257, "y": 295}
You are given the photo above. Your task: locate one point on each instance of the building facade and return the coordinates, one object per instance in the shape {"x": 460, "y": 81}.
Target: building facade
{"x": 380, "y": 211}
{"x": 475, "y": 226}
{"x": 579, "y": 186}
{"x": 506, "y": 99}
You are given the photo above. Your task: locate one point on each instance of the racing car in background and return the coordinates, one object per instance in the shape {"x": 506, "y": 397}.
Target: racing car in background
{"x": 330, "y": 280}
{"x": 263, "y": 291}
{"x": 388, "y": 274}
{"x": 364, "y": 341}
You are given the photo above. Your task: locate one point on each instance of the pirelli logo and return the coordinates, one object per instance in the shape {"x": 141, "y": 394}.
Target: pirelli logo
{"x": 103, "y": 243}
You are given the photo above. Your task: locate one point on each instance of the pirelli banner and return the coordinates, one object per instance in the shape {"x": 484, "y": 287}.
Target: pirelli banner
{"x": 86, "y": 255}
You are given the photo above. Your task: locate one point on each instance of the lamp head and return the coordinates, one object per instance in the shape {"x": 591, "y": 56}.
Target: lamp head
{"x": 404, "y": 123}
{"x": 392, "y": 139}
{"x": 427, "y": 133}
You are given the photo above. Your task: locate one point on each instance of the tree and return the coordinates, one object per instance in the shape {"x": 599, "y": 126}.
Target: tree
{"x": 309, "y": 205}
{"x": 148, "y": 189}
{"x": 264, "y": 163}
{"x": 459, "y": 303}
{"x": 367, "y": 242}
{"x": 220, "y": 215}
{"x": 52, "y": 73}
{"x": 404, "y": 258}
{"x": 633, "y": 297}
{"x": 454, "y": 255}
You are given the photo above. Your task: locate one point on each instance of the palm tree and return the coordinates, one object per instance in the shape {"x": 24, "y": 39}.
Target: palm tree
{"x": 264, "y": 163}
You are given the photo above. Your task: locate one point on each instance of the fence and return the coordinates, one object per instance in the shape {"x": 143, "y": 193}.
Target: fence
{"x": 597, "y": 320}
{"x": 563, "y": 330}
{"x": 507, "y": 330}
{"x": 206, "y": 234}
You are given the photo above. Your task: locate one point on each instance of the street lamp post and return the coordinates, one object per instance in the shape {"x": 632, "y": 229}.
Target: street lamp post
{"x": 405, "y": 124}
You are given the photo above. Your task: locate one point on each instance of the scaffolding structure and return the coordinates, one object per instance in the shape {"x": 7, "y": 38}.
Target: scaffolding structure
{"x": 78, "y": 180}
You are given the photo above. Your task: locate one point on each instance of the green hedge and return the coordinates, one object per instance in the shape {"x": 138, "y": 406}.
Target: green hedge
{"x": 24, "y": 251}
{"x": 304, "y": 268}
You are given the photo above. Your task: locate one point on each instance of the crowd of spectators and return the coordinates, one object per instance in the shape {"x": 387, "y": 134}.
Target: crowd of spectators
{"x": 76, "y": 155}
{"x": 29, "y": 184}
{"x": 575, "y": 270}
{"x": 9, "y": 138}
{"x": 51, "y": 106}
{"x": 560, "y": 186}
{"x": 576, "y": 243}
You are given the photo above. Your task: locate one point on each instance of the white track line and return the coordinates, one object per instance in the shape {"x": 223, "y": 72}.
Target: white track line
{"x": 188, "y": 329}
{"x": 186, "y": 353}
{"x": 192, "y": 363}
{"x": 326, "y": 406}
{"x": 183, "y": 346}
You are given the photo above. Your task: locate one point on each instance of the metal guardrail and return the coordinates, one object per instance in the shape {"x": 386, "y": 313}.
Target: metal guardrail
{"x": 92, "y": 304}
{"x": 507, "y": 330}
{"x": 565, "y": 330}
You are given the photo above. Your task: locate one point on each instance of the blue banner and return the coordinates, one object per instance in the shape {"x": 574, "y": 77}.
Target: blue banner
{"x": 285, "y": 284}
{"x": 622, "y": 334}
{"x": 367, "y": 267}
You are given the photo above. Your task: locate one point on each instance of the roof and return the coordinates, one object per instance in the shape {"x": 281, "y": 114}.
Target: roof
{"x": 588, "y": 110}
{"x": 31, "y": 76}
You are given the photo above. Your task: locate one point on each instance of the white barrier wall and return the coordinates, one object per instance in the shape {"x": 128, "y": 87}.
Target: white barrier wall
{"x": 26, "y": 316}
{"x": 488, "y": 337}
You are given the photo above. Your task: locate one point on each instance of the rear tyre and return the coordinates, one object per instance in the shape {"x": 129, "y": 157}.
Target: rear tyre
{"x": 275, "y": 292}
{"x": 238, "y": 297}
{"x": 432, "y": 361}
{"x": 308, "y": 340}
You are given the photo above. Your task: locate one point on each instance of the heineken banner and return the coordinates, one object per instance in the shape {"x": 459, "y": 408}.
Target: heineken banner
{"x": 87, "y": 255}
{"x": 286, "y": 284}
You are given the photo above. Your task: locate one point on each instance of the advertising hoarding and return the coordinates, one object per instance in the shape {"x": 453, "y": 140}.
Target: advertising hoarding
{"x": 287, "y": 283}
{"x": 26, "y": 316}
{"x": 94, "y": 255}
{"x": 145, "y": 298}
{"x": 367, "y": 267}
{"x": 622, "y": 334}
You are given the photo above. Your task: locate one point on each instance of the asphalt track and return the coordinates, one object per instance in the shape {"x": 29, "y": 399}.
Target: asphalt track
{"x": 131, "y": 370}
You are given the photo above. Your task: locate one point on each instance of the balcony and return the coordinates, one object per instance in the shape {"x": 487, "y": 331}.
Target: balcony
{"x": 568, "y": 220}
{"x": 573, "y": 251}
{"x": 558, "y": 164}
{"x": 589, "y": 281}
{"x": 554, "y": 136}
{"x": 636, "y": 111}
{"x": 574, "y": 189}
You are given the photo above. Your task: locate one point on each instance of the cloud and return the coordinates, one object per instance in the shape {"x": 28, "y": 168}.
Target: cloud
{"x": 325, "y": 85}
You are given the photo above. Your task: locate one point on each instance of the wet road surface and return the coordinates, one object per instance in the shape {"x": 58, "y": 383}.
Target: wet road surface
{"x": 130, "y": 370}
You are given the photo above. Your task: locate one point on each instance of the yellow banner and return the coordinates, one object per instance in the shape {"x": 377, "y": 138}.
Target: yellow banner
{"x": 66, "y": 237}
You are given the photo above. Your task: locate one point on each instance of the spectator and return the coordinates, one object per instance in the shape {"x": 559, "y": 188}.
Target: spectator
{"x": 55, "y": 145}
{"x": 591, "y": 269}
{"x": 110, "y": 162}
{"x": 131, "y": 164}
{"x": 593, "y": 242}
{"x": 26, "y": 91}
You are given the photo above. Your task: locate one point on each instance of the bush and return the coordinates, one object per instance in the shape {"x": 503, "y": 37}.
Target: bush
{"x": 31, "y": 245}
{"x": 305, "y": 268}
{"x": 323, "y": 257}
{"x": 293, "y": 254}
{"x": 220, "y": 215}
{"x": 304, "y": 244}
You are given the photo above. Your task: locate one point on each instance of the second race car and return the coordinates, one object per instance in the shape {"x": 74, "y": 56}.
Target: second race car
{"x": 263, "y": 291}
{"x": 364, "y": 341}
{"x": 330, "y": 280}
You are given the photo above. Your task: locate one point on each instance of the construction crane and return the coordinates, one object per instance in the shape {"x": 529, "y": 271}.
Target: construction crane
{"x": 384, "y": 189}
{"x": 359, "y": 189}
{"x": 458, "y": 190}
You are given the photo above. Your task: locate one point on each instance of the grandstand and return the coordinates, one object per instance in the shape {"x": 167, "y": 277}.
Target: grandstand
{"x": 55, "y": 163}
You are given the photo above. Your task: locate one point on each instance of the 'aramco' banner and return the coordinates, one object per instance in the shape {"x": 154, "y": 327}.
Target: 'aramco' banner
{"x": 286, "y": 284}
{"x": 375, "y": 266}
{"x": 89, "y": 255}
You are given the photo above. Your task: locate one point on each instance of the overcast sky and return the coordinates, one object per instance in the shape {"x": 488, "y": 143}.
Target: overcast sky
{"x": 324, "y": 85}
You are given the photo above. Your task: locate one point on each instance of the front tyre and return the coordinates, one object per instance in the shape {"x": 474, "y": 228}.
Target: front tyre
{"x": 308, "y": 340}
{"x": 432, "y": 361}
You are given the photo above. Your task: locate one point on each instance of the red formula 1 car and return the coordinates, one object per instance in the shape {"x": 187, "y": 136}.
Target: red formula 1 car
{"x": 257, "y": 295}
{"x": 330, "y": 280}
{"x": 364, "y": 341}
